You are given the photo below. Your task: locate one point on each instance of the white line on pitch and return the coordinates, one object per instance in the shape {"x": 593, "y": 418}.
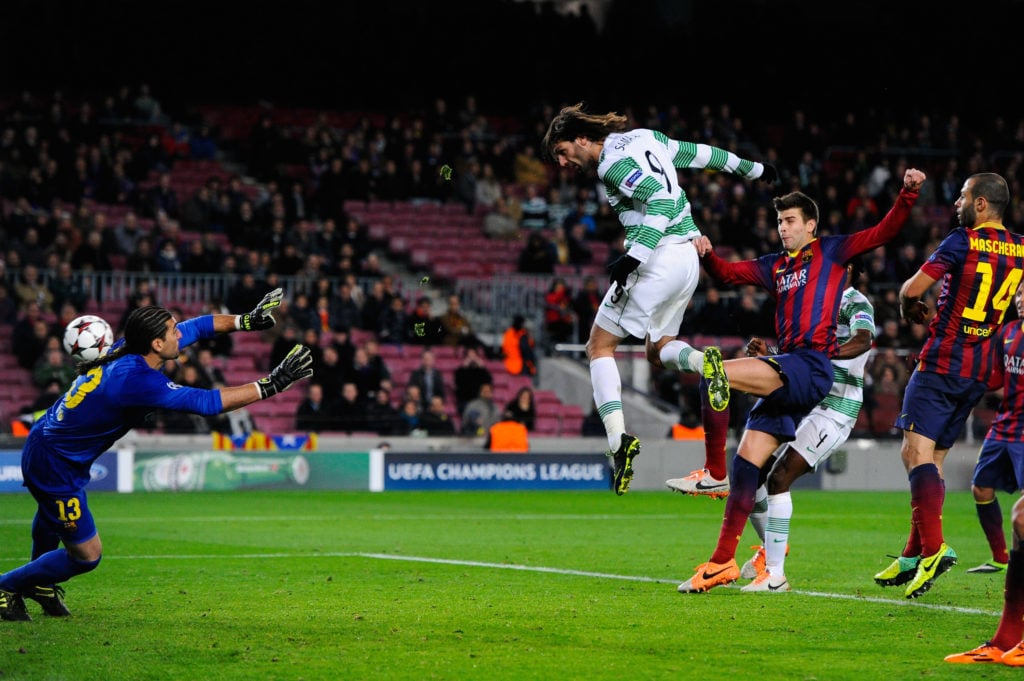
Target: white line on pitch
{"x": 548, "y": 570}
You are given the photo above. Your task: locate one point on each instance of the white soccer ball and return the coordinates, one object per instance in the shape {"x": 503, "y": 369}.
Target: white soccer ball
{"x": 88, "y": 337}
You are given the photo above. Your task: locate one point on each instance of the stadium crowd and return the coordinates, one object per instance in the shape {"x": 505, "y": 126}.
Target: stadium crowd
{"x": 88, "y": 184}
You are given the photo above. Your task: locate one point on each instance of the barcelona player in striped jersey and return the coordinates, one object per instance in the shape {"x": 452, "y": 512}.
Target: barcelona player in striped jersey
{"x": 807, "y": 280}
{"x": 112, "y": 395}
{"x": 980, "y": 264}
{"x": 1001, "y": 465}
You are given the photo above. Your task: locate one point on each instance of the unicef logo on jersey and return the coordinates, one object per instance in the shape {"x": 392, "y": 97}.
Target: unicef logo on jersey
{"x": 98, "y": 472}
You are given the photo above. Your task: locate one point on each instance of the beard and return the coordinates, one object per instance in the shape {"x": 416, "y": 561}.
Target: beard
{"x": 967, "y": 215}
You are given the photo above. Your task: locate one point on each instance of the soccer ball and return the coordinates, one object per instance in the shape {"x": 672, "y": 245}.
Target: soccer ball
{"x": 88, "y": 337}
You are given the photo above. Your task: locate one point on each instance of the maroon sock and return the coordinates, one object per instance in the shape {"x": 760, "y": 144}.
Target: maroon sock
{"x": 1011, "y": 624}
{"x": 737, "y": 509}
{"x": 926, "y": 494}
{"x": 716, "y": 433}
{"x": 990, "y": 516}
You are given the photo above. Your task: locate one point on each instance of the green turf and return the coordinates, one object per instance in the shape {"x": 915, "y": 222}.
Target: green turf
{"x": 534, "y": 585}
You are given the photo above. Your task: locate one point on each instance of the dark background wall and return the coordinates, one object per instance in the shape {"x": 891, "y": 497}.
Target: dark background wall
{"x": 764, "y": 56}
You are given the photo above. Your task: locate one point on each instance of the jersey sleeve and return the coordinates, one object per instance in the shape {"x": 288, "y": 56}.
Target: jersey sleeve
{"x": 862, "y": 316}
{"x": 150, "y": 388}
{"x": 196, "y": 329}
{"x": 743, "y": 272}
{"x": 882, "y": 233}
{"x": 691, "y": 155}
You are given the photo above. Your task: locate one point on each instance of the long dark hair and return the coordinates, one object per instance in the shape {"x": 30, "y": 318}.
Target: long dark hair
{"x": 572, "y": 122}
{"x": 144, "y": 325}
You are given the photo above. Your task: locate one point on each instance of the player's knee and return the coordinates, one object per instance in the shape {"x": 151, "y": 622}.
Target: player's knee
{"x": 81, "y": 567}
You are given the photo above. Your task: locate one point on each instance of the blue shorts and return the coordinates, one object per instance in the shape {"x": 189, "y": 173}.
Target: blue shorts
{"x": 1000, "y": 466}
{"x": 937, "y": 406}
{"x": 806, "y": 380}
{"x": 65, "y": 514}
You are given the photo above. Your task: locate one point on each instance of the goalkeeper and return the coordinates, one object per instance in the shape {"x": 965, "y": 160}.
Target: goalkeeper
{"x": 112, "y": 395}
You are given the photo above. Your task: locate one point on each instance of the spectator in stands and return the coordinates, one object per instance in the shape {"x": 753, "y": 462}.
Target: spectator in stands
{"x": 381, "y": 415}
{"x": 488, "y": 188}
{"x": 50, "y": 393}
{"x": 435, "y": 419}
{"x": 161, "y": 198}
{"x": 411, "y": 415}
{"x": 92, "y": 255}
{"x": 168, "y": 260}
{"x": 501, "y": 222}
{"x": 428, "y": 378}
{"x": 890, "y": 336}
{"x": 393, "y": 326}
{"x": 345, "y": 312}
{"x": 368, "y": 371}
{"x": 350, "y": 411}
{"x": 535, "y": 209}
{"x": 30, "y": 287}
{"x": 54, "y": 365}
{"x": 127, "y": 233}
{"x": 888, "y": 358}
{"x": 314, "y": 413}
{"x": 481, "y": 412}
{"x": 301, "y": 313}
{"x": 206, "y": 363}
{"x": 517, "y": 349}
{"x": 8, "y": 305}
{"x": 422, "y": 327}
{"x": 467, "y": 174}
{"x": 28, "y": 337}
{"x": 580, "y": 253}
{"x": 341, "y": 341}
{"x": 143, "y": 259}
{"x": 714, "y": 316}
{"x": 331, "y": 373}
{"x": 537, "y": 256}
{"x": 197, "y": 210}
{"x": 203, "y": 144}
{"x": 245, "y": 294}
{"x": 529, "y": 169}
{"x": 67, "y": 287}
{"x": 202, "y": 256}
{"x": 469, "y": 376}
{"x": 585, "y": 305}
{"x": 457, "y": 328}
{"x": 559, "y": 320}
{"x": 376, "y": 302}
{"x": 522, "y": 408}
{"x": 284, "y": 342}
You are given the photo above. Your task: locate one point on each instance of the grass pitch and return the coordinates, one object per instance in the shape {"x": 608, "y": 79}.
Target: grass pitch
{"x": 518, "y": 585}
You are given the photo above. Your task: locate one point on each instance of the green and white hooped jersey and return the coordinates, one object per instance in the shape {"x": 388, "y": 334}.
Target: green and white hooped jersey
{"x": 637, "y": 168}
{"x": 847, "y": 394}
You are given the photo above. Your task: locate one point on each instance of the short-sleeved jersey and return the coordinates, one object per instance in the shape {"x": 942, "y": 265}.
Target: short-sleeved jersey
{"x": 808, "y": 284}
{"x": 847, "y": 395}
{"x": 637, "y": 168}
{"x": 980, "y": 269}
{"x": 101, "y": 406}
{"x": 1008, "y": 423}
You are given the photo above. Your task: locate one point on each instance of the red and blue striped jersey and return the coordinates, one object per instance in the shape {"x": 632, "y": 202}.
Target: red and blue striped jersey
{"x": 1008, "y": 425}
{"x": 808, "y": 284}
{"x": 980, "y": 269}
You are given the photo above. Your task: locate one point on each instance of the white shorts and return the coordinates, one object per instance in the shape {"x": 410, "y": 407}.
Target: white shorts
{"x": 819, "y": 434}
{"x": 655, "y": 296}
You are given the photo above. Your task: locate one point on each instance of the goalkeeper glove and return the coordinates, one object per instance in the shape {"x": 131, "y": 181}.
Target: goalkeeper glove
{"x": 621, "y": 268}
{"x": 769, "y": 175}
{"x": 261, "y": 317}
{"x": 296, "y": 365}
